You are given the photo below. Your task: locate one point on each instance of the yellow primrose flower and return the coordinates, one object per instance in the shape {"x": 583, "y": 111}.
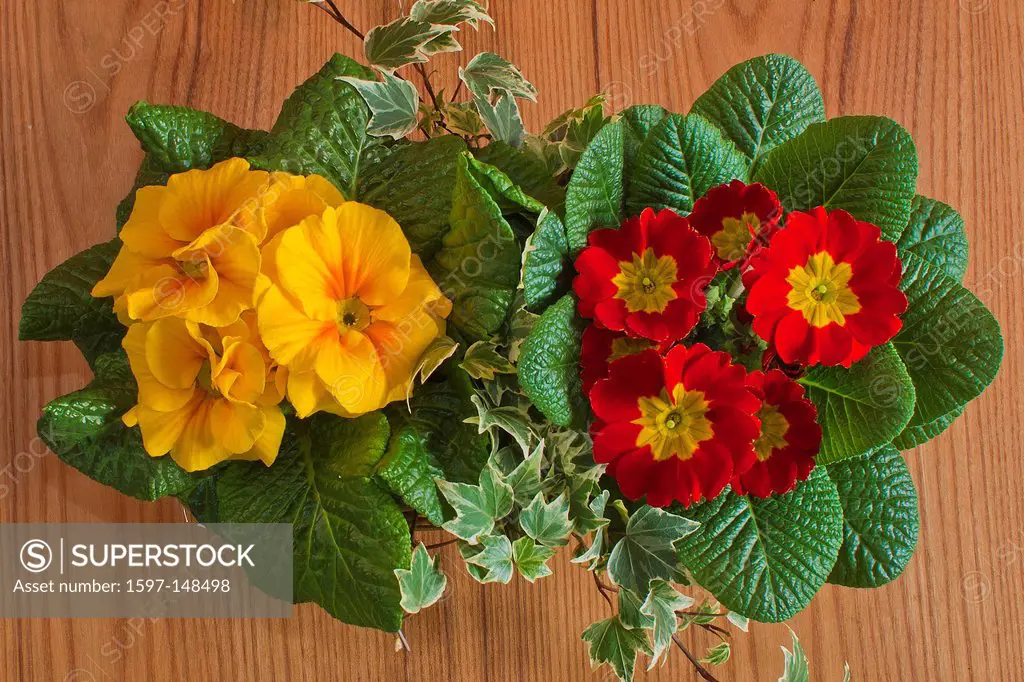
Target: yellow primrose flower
{"x": 187, "y": 247}
{"x": 286, "y": 201}
{"x": 348, "y": 309}
{"x": 205, "y": 395}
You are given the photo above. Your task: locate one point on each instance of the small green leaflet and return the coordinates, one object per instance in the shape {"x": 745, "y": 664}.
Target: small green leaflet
{"x": 393, "y": 102}
{"x": 531, "y": 559}
{"x": 614, "y": 644}
{"x": 439, "y": 350}
{"x": 502, "y": 117}
{"x": 718, "y": 654}
{"x": 511, "y": 420}
{"x": 488, "y": 72}
{"x": 880, "y": 518}
{"x": 762, "y": 102}
{"x": 477, "y": 507}
{"x": 403, "y": 41}
{"x": 587, "y": 514}
{"x": 739, "y": 620}
{"x": 594, "y": 196}
{"x": 482, "y": 361}
{"x": 861, "y": 408}
{"x": 495, "y": 559}
{"x": 423, "y": 584}
{"x": 795, "y": 669}
{"x": 450, "y": 12}
{"x": 549, "y": 364}
{"x": 936, "y": 234}
{"x": 591, "y": 556}
{"x": 661, "y": 605}
{"x": 525, "y": 478}
{"x": 548, "y": 524}
{"x": 647, "y": 550}
{"x": 510, "y": 196}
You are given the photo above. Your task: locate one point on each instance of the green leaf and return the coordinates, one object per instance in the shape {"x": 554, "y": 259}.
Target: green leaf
{"x": 502, "y": 118}
{"x": 718, "y": 654}
{"x": 950, "y": 342}
{"x": 409, "y": 471}
{"x": 482, "y": 361}
{"x": 322, "y": 129}
{"x": 349, "y": 535}
{"x": 525, "y": 170}
{"x": 547, "y": 271}
{"x": 880, "y": 519}
{"x": 913, "y": 436}
{"x": 413, "y": 183}
{"x": 489, "y": 73}
{"x": 861, "y": 408}
{"x": 739, "y": 620}
{"x": 614, "y": 644}
{"x": 629, "y": 611}
{"x": 393, "y": 102}
{"x": 549, "y": 364}
{"x": 510, "y": 419}
{"x": 525, "y": 479}
{"x": 495, "y": 559}
{"x": 766, "y": 558}
{"x": 647, "y": 549}
{"x": 478, "y": 264}
{"x": 61, "y": 307}
{"x": 866, "y": 165}
{"x": 637, "y": 123}
{"x": 681, "y": 159}
{"x": 936, "y": 234}
{"x": 509, "y": 195}
{"x": 547, "y": 523}
{"x": 762, "y": 102}
{"x": 795, "y": 669}
{"x": 450, "y": 12}
{"x": 401, "y": 42}
{"x": 587, "y": 513}
{"x": 594, "y": 196}
{"x": 423, "y": 584}
{"x": 661, "y": 605}
{"x": 531, "y": 559}
{"x": 439, "y": 350}
{"x": 477, "y": 507}
{"x": 84, "y": 429}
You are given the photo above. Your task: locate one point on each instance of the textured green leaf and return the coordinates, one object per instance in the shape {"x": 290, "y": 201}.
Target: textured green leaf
{"x": 322, "y": 129}
{"x": 549, "y": 364}
{"x": 401, "y": 42}
{"x": 423, "y": 584}
{"x": 614, "y": 644}
{"x": 495, "y": 558}
{"x": 936, "y": 234}
{"x": 478, "y": 264}
{"x": 648, "y": 549}
{"x": 866, "y": 165}
{"x": 861, "y": 408}
{"x": 509, "y": 196}
{"x": 531, "y": 559}
{"x": 661, "y": 606}
{"x": 547, "y": 523}
{"x": 880, "y": 519}
{"x": 547, "y": 271}
{"x": 950, "y": 342}
{"x": 525, "y": 170}
{"x": 61, "y": 307}
{"x": 349, "y": 535}
{"x": 681, "y": 159}
{"x": 913, "y": 436}
{"x": 477, "y": 507}
{"x": 637, "y": 123}
{"x": 393, "y": 102}
{"x": 409, "y": 471}
{"x": 413, "y": 183}
{"x": 762, "y": 102}
{"x": 766, "y": 558}
{"x": 85, "y": 430}
{"x": 488, "y": 73}
{"x": 594, "y": 196}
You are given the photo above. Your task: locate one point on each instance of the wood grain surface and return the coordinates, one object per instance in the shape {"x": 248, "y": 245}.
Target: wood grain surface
{"x": 950, "y": 71}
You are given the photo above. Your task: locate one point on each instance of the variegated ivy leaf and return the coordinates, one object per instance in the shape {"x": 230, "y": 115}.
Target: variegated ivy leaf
{"x": 547, "y": 523}
{"x": 796, "y": 668}
{"x": 423, "y": 584}
{"x": 739, "y": 620}
{"x": 483, "y": 361}
{"x": 463, "y": 119}
{"x": 616, "y": 645}
{"x": 531, "y": 559}
{"x": 403, "y": 41}
{"x": 630, "y": 613}
{"x": 718, "y": 654}
{"x": 587, "y": 514}
{"x": 450, "y": 12}
{"x": 489, "y": 74}
{"x": 495, "y": 559}
{"x": 592, "y": 556}
{"x": 477, "y": 507}
{"x": 661, "y": 606}
{"x": 525, "y": 478}
{"x": 502, "y": 118}
{"x": 393, "y": 103}
{"x": 647, "y": 549}
{"x": 512, "y": 420}
{"x": 439, "y": 350}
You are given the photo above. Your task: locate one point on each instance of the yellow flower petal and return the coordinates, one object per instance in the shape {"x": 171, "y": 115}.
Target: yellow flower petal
{"x": 153, "y": 394}
{"x": 236, "y": 426}
{"x": 127, "y": 266}
{"x": 235, "y": 258}
{"x": 241, "y": 374}
{"x": 198, "y": 200}
{"x": 289, "y": 335}
{"x": 143, "y": 233}
{"x": 291, "y": 198}
{"x": 163, "y": 430}
{"x": 351, "y": 371}
{"x": 165, "y": 290}
{"x": 268, "y": 444}
{"x": 172, "y": 355}
{"x": 197, "y": 446}
{"x": 421, "y": 298}
{"x": 375, "y": 260}
{"x": 303, "y": 263}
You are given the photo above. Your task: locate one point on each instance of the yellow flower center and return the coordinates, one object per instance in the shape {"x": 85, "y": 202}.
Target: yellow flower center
{"x": 675, "y": 426}
{"x": 623, "y": 346}
{"x": 194, "y": 269}
{"x": 646, "y": 283}
{"x": 732, "y": 240}
{"x": 821, "y": 290}
{"x": 773, "y": 431}
{"x": 353, "y": 315}
{"x": 205, "y": 379}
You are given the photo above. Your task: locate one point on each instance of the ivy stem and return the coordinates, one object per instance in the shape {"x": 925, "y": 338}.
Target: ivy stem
{"x": 701, "y": 670}
{"x": 438, "y": 545}
{"x": 340, "y": 18}
{"x": 601, "y": 589}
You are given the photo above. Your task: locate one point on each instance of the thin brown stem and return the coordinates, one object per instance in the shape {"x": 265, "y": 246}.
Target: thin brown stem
{"x": 458, "y": 89}
{"x": 714, "y": 629}
{"x": 701, "y": 670}
{"x": 340, "y": 18}
{"x": 438, "y": 545}
{"x": 601, "y": 589}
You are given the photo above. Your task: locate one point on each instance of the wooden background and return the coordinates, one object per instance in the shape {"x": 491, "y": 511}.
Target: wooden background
{"x": 950, "y": 71}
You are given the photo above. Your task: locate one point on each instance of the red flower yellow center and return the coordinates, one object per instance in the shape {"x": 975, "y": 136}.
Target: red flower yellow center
{"x": 732, "y": 240}
{"x": 821, "y": 291}
{"x": 773, "y": 431}
{"x": 646, "y": 283}
{"x": 673, "y": 426}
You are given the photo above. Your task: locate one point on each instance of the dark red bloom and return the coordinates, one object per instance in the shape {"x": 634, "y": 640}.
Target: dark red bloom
{"x": 646, "y": 278}
{"x": 826, "y": 290}
{"x": 674, "y": 427}
{"x": 601, "y": 347}
{"x": 732, "y": 215}
{"x": 789, "y": 440}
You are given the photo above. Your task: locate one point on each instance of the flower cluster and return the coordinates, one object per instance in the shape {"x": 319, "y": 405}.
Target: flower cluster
{"x": 679, "y": 422}
{"x": 242, "y": 287}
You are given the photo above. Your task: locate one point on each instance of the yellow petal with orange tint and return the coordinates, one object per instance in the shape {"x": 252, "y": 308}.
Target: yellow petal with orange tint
{"x": 143, "y": 233}
{"x": 304, "y": 269}
{"x": 198, "y": 200}
{"x": 197, "y": 446}
{"x": 162, "y": 431}
{"x": 289, "y": 335}
{"x": 268, "y": 444}
{"x": 236, "y": 426}
{"x": 375, "y": 259}
{"x": 152, "y": 393}
{"x": 241, "y": 373}
{"x": 172, "y": 355}
{"x": 166, "y": 290}
{"x": 350, "y": 369}
{"x": 127, "y": 266}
